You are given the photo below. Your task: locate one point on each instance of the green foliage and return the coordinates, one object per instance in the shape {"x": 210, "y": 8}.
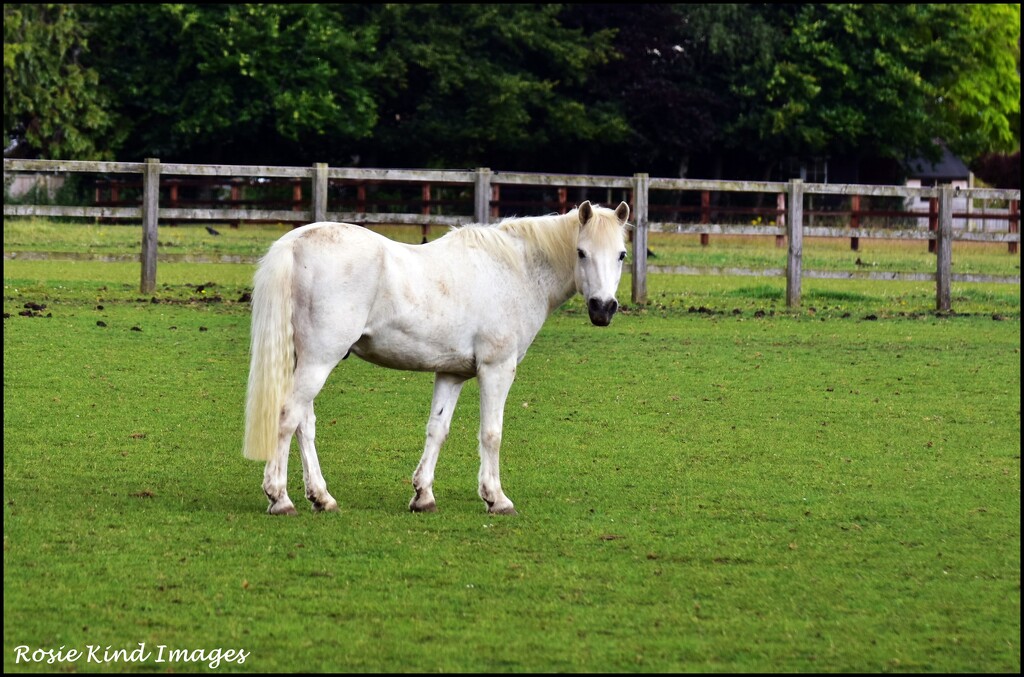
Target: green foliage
{"x": 53, "y": 104}
{"x": 467, "y": 84}
{"x": 235, "y": 83}
{"x": 681, "y": 70}
{"x": 575, "y": 87}
{"x": 891, "y": 78}
{"x": 251, "y": 241}
{"x": 981, "y": 97}
{"x": 765, "y": 82}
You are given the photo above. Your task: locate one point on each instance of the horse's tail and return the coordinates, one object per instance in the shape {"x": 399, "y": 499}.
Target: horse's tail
{"x": 272, "y": 364}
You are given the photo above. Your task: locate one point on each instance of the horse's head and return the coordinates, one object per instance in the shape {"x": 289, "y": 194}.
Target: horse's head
{"x": 600, "y": 251}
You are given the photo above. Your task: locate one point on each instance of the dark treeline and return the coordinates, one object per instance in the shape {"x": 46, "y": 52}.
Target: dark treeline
{"x": 709, "y": 91}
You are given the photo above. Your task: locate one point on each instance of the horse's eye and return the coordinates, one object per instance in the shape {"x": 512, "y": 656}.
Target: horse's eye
{"x": 622, "y": 256}
{"x": 580, "y": 253}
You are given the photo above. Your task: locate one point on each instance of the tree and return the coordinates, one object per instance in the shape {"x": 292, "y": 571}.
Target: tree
{"x": 672, "y": 89}
{"x": 689, "y": 77}
{"x": 53, "y": 107}
{"x": 999, "y": 170}
{"x": 251, "y": 83}
{"x": 471, "y": 84}
{"x": 980, "y": 96}
{"x": 704, "y": 85}
{"x": 889, "y": 79}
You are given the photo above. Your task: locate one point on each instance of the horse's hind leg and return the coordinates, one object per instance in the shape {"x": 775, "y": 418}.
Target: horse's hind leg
{"x": 446, "y": 395}
{"x": 275, "y": 473}
{"x": 309, "y": 381}
{"x": 316, "y": 486}
{"x": 275, "y": 481}
{"x": 297, "y": 419}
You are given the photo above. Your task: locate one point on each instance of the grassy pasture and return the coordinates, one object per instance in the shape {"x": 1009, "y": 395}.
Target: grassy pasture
{"x": 753, "y": 252}
{"x": 711, "y": 484}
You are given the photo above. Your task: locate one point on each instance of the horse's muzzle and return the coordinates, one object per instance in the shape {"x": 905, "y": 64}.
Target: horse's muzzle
{"x": 601, "y": 312}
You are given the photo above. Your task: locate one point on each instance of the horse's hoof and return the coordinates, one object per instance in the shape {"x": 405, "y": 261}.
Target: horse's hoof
{"x": 326, "y": 506}
{"x": 284, "y": 509}
{"x": 425, "y": 507}
{"x": 502, "y": 506}
{"x": 423, "y": 501}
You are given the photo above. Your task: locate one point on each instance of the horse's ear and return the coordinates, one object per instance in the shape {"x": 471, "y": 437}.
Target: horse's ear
{"x": 622, "y": 212}
{"x": 585, "y": 213}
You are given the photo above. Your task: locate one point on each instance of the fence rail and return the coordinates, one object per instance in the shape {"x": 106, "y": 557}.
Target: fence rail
{"x": 485, "y": 184}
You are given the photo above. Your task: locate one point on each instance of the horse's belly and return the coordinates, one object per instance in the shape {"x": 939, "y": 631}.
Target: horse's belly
{"x": 414, "y": 356}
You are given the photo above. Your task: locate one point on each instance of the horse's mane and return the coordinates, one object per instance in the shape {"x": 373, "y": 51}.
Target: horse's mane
{"x": 553, "y": 236}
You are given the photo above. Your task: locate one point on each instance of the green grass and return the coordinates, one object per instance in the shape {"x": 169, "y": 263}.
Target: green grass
{"x": 249, "y": 240}
{"x": 822, "y": 298}
{"x": 829, "y": 254}
{"x": 755, "y": 253}
{"x": 712, "y": 484}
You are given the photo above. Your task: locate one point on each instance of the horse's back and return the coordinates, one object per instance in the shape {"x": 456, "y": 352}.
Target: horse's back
{"x": 333, "y": 254}
{"x": 335, "y": 239}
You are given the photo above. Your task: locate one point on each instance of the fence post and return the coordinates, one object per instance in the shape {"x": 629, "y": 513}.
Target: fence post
{"x": 795, "y": 233}
{"x": 495, "y": 200}
{"x": 425, "y": 197}
{"x": 641, "y": 186}
{"x": 482, "y": 195}
{"x": 705, "y": 215}
{"x": 944, "y": 249}
{"x": 1014, "y": 223}
{"x": 150, "y": 213}
{"x": 933, "y": 221}
{"x": 855, "y": 220}
{"x": 780, "y": 217}
{"x": 425, "y": 211}
{"x": 319, "y": 191}
{"x": 236, "y": 198}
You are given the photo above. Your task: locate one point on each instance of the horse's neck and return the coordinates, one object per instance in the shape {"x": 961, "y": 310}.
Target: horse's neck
{"x": 557, "y": 288}
{"x": 550, "y": 268}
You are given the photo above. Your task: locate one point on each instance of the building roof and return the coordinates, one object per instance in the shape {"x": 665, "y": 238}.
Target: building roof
{"x": 948, "y": 168}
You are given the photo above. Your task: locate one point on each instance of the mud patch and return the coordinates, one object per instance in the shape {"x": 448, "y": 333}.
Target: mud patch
{"x": 32, "y": 309}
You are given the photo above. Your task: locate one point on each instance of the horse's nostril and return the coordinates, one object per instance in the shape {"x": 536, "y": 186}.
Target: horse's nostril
{"x": 601, "y": 312}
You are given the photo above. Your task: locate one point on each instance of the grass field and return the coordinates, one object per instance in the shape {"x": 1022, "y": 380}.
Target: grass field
{"x": 712, "y": 484}
{"x": 753, "y": 252}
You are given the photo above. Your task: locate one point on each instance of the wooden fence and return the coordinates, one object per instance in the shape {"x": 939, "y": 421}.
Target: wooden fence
{"x": 789, "y": 224}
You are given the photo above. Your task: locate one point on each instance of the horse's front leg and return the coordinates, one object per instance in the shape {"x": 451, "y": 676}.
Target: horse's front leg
{"x": 495, "y": 382}
{"x": 446, "y": 395}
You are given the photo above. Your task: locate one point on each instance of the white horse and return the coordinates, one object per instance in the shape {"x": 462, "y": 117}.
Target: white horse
{"x": 467, "y": 304}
